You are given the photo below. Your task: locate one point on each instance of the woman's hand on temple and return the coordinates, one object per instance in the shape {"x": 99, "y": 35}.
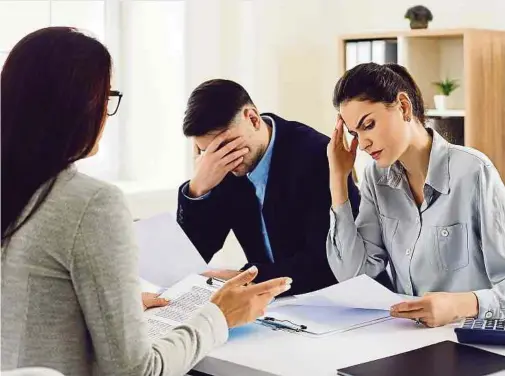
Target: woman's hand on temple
{"x": 341, "y": 161}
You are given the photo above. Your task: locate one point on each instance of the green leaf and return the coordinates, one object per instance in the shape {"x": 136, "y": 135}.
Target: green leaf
{"x": 447, "y": 86}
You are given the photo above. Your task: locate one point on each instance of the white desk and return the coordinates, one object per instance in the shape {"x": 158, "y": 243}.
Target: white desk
{"x": 255, "y": 350}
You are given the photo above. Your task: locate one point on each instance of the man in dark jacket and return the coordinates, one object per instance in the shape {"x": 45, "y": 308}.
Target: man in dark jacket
{"x": 265, "y": 178}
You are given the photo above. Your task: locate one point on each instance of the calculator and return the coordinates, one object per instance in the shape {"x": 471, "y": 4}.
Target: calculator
{"x": 482, "y": 331}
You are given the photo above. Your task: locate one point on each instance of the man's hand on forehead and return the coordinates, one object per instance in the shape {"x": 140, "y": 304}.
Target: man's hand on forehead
{"x": 229, "y": 135}
{"x": 222, "y": 139}
{"x": 224, "y": 153}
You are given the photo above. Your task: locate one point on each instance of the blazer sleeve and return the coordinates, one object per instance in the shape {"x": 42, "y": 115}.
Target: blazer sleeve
{"x": 104, "y": 273}
{"x": 205, "y": 221}
{"x": 309, "y": 267}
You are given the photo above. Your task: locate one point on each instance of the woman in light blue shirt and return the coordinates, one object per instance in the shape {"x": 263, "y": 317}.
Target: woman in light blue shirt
{"x": 433, "y": 211}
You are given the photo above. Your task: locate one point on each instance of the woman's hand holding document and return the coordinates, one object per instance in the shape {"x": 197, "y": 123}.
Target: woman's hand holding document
{"x": 438, "y": 308}
{"x": 153, "y": 300}
{"x": 240, "y": 301}
{"x": 351, "y": 304}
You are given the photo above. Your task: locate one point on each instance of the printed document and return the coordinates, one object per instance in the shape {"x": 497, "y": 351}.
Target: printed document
{"x": 186, "y": 298}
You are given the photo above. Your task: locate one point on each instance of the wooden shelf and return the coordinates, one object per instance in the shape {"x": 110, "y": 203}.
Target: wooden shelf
{"x": 407, "y": 33}
{"x": 445, "y": 113}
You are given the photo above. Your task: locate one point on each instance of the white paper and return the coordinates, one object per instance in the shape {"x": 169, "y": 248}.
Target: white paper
{"x": 359, "y": 292}
{"x": 166, "y": 253}
{"x": 185, "y": 299}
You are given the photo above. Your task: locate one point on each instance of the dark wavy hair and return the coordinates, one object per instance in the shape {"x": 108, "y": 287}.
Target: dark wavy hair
{"x": 379, "y": 83}
{"x": 54, "y": 92}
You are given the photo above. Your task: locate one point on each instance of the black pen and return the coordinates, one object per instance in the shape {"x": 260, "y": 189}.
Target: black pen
{"x": 211, "y": 283}
{"x": 284, "y": 324}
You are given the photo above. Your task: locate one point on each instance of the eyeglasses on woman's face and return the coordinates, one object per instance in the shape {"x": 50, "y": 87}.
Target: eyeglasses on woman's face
{"x": 113, "y": 102}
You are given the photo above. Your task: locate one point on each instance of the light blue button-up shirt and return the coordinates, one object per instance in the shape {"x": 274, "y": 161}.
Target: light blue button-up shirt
{"x": 454, "y": 242}
{"x": 259, "y": 178}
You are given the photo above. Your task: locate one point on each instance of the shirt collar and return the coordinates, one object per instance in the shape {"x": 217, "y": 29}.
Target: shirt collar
{"x": 438, "y": 169}
{"x": 260, "y": 172}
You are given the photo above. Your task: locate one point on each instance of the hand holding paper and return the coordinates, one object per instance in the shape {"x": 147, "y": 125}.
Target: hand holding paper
{"x": 438, "y": 308}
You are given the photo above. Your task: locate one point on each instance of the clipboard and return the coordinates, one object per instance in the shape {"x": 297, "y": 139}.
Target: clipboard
{"x": 303, "y": 320}
{"x": 307, "y": 328}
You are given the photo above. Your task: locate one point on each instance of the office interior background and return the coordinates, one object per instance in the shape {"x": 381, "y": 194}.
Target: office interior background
{"x": 284, "y": 52}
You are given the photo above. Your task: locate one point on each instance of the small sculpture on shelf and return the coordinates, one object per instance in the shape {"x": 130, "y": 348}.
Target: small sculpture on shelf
{"x": 445, "y": 88}
{"x": 419, "y": 17}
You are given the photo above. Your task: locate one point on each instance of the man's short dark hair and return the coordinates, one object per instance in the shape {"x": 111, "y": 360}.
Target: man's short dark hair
{"x": 212, "y": 106}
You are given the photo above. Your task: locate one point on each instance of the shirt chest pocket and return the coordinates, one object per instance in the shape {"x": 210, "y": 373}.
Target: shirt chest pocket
{"x": 389, "y": 227}
{"x": 451, "y": 244}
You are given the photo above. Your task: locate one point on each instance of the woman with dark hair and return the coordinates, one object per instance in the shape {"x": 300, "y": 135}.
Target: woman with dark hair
{"x": 71, "y": 298}
{"x": 433, "y": 211}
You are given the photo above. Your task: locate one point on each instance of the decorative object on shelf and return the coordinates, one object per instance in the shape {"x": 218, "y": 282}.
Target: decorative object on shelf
{"x": 445, "y": 87}
{"x": 448, "y": 113}
{"x": 419, "y": 17}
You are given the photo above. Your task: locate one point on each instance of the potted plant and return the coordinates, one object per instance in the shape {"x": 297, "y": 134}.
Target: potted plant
{"x": 419, "y": 17}
{"x": 445, "y": 88}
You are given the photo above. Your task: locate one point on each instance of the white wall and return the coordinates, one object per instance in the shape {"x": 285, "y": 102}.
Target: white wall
{"x": 153, "y": 82}
{"x": 295, "y": 55}
{"x": 388, "y": 14}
